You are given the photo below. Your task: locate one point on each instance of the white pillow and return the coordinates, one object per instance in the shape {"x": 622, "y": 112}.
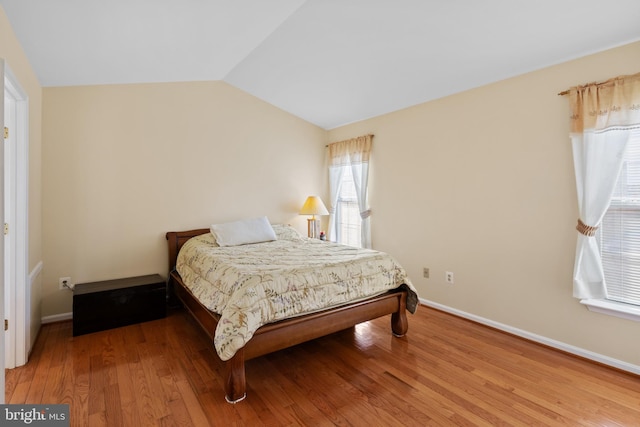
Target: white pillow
{"x": 243, "y": 232}
{"x": 286, "y": 232}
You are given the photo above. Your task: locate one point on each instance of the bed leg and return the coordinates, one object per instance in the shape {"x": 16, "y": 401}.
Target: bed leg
{"x": 399, "y": 322}
{"x": 235, "y": 385}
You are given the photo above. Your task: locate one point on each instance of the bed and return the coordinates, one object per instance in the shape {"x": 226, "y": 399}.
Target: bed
{"x": 285, "y": 329}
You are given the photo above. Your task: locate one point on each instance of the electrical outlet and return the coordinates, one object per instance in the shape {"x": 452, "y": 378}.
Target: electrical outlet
{"x": 65, "y": 283}
{"x": 449, "y": 277}
{"x": 425, "y": 272}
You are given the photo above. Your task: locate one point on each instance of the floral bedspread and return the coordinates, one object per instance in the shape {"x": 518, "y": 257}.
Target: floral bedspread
{"x": 252, "y": 285}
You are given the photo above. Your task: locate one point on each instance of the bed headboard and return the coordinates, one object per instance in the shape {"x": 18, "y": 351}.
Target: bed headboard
{"x": 176, "y": 239}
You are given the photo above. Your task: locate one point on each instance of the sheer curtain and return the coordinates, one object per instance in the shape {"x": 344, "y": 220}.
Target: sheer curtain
{"x": 353, "y": 154}
{"x": 603, "y": 117}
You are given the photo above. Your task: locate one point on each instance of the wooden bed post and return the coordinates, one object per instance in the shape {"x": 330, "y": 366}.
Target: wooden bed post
{"x": 399, "y": 322}
{"x": 235, "y": 383}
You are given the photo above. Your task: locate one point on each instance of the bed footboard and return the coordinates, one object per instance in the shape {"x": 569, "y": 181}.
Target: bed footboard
{"x": 286, "y": 333}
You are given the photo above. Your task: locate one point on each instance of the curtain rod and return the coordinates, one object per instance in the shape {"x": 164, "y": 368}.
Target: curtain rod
{"x": 369, "y": 134}
{"x": 566, "y": 92}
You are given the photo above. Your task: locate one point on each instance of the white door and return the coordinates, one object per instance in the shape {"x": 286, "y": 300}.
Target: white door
{"x": 2, "y": 285}
{"x": 9, "y": 246}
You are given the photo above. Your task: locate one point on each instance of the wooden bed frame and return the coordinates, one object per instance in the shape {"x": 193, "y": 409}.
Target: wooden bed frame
{"x": 284, "y": 333}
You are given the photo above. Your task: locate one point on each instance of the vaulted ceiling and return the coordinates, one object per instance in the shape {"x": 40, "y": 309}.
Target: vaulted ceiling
{"x": 330, "y": 62}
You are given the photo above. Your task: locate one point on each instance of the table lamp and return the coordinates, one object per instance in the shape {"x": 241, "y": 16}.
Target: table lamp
{"x": 313, "y": 206}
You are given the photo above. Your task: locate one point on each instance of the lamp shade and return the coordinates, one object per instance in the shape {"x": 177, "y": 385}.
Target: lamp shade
{"x": 314, "y": 206}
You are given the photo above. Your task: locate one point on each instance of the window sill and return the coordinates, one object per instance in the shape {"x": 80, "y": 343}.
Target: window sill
{"x": 612, "y": 308}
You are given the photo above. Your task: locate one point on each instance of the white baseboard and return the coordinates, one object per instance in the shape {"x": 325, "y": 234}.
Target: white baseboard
{"x": 57, "y": 318}
{"x": 605, "y": 360}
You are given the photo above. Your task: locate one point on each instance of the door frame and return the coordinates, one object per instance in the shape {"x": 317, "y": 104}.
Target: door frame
{"x": 2, "y": 284}
{"x": 18, "y": 290}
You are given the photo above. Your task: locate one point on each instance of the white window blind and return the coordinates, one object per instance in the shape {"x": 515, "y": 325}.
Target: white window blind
{"x": 348, "y": 212}
{"x": 619, "y": 233}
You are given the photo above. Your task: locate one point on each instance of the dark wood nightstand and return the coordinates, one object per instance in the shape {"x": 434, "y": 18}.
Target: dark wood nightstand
{"x": 112, "y": 303}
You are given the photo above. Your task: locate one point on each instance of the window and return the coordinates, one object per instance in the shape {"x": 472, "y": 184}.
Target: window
{"x": 619, "y": 233}
{"x": 348, "y": 221}
{"x": 605, "y": 122}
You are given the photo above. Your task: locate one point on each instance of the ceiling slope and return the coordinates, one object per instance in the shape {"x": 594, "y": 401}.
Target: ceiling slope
{"x": 86, "y": 42}
{"x": 330, "y": 62}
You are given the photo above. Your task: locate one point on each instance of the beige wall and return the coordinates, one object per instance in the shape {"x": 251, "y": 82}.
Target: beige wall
{"x": 481, "y": 184}
{"x": 15, "y": 58}
{"x": 124, "y": 164}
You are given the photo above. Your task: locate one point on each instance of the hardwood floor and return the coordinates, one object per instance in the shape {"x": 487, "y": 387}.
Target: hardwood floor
{"x": 446, "y": 371}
